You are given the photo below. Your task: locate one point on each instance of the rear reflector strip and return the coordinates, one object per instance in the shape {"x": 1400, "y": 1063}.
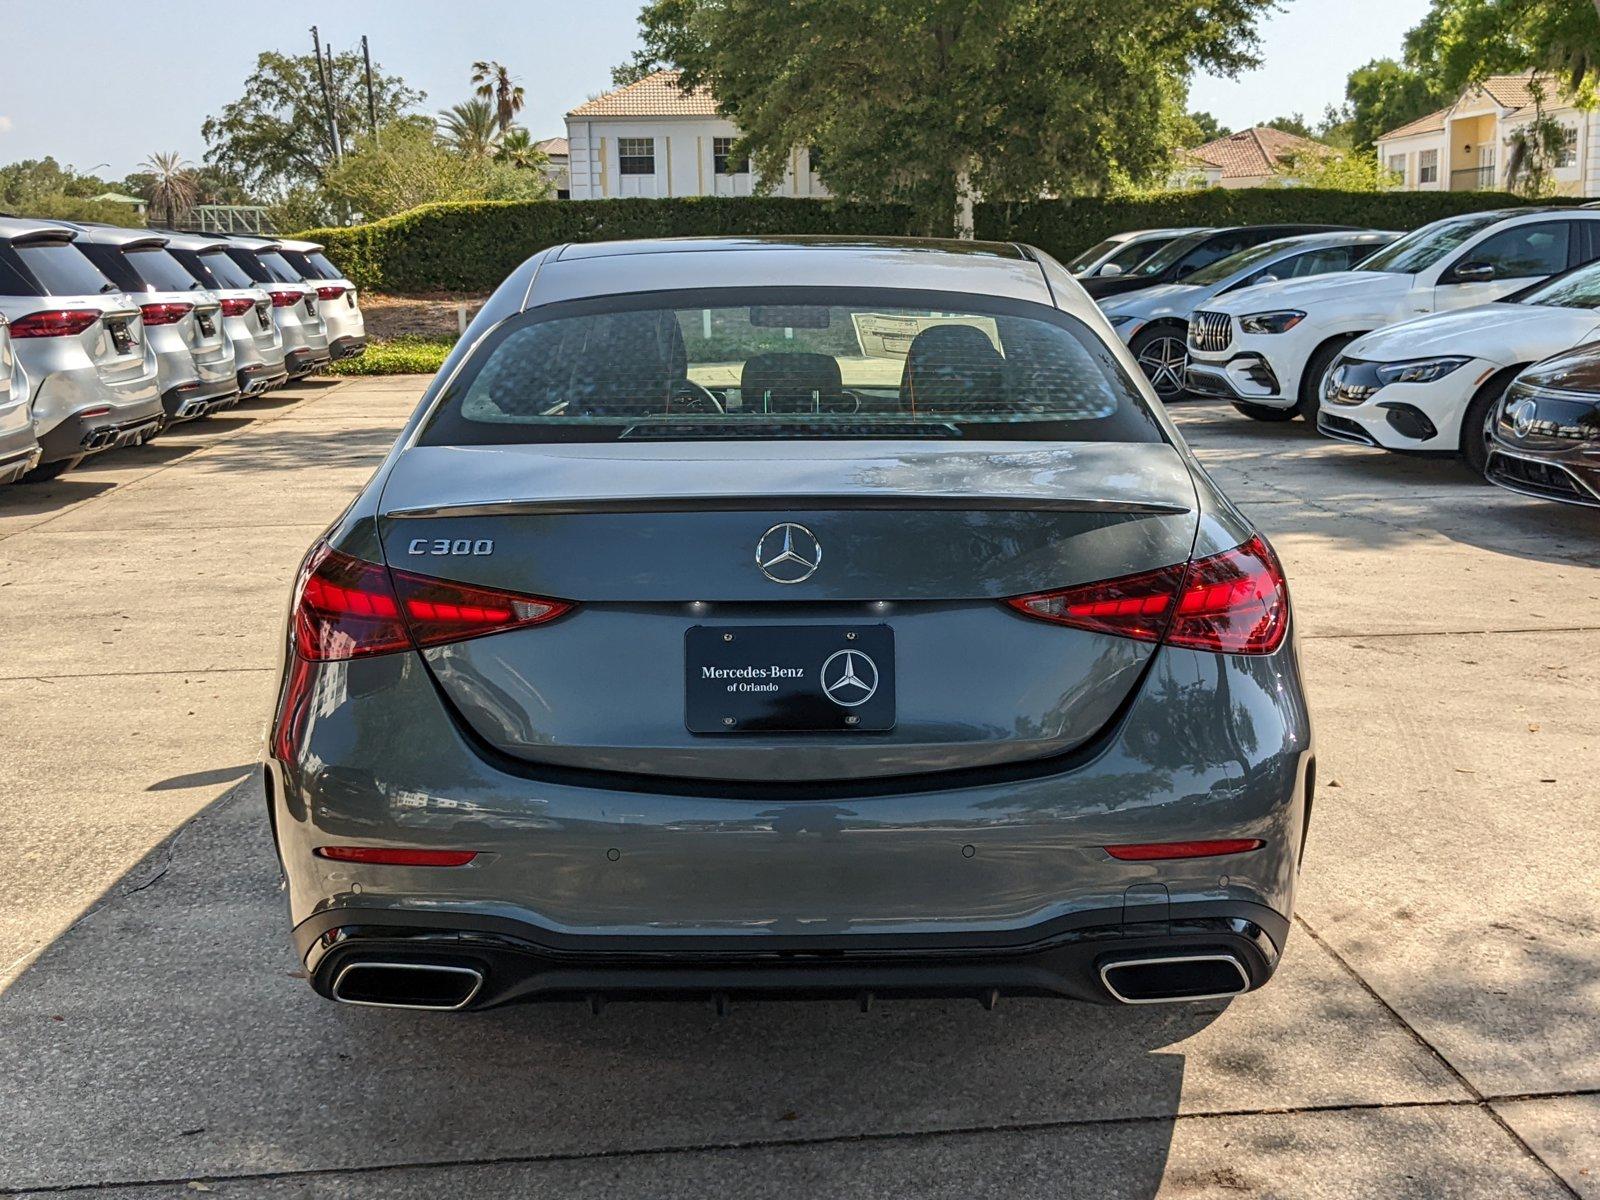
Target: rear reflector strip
{"x": 397, "y": 858}
{"x": 1156, "y": 851}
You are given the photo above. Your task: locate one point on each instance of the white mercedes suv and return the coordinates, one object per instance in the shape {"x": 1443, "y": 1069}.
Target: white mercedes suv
{"x": 1267, "y": 348}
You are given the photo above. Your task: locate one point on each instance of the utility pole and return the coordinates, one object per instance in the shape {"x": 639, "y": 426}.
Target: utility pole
{"x": 372, "y": 104}
{"x": 333, "y": 90}
{"x": 327, "y": 95}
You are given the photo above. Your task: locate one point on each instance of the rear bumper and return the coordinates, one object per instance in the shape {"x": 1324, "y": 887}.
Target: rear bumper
{"x": 304, "y": 360}
{"x": 259, "y": 379}
{"x": 347, "y": 347}
{"x": 199, "y": 398}
{"x": 1062, "y": 959}
{"x": 994, "y": 864}
{"x": 19, "y": 453}
{"x": 80, "y": 435}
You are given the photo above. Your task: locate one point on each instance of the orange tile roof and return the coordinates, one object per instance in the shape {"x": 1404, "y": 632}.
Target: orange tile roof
{"x": 656, "y": 95}
{"x": 1252, "y": 152}
{"x": 553, "y": 146}
{"x": 1432, "y": 123}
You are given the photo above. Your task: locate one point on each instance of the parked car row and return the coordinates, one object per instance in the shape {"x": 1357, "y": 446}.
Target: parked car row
{"x": 1430, "y": 343}
{"x": 108, "y": 335}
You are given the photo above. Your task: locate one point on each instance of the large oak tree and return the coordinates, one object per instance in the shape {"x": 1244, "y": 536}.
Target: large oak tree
{"x": 919, "y": 100}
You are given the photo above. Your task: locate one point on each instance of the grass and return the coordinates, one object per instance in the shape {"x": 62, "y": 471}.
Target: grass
{"x": 408, "y": 355}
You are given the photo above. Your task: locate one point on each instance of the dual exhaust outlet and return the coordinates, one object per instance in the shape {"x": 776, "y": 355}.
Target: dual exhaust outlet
{"x": 1152, "y": 979}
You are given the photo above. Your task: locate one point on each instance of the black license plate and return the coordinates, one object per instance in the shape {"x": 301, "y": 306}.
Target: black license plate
{"x": 789, "y": 678}
{"x": 206, "y": 325}
{"x": 121, "y": 337}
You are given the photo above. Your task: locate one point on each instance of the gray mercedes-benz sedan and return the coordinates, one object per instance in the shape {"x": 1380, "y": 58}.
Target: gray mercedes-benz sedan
{"x": 799, "y": 617}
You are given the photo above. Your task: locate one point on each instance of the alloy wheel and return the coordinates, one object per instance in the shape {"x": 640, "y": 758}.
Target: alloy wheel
{"x": 1164, "y": 360}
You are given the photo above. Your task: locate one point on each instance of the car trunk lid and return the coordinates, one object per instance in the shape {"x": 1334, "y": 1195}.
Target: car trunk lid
{"x": 670, "y": 553}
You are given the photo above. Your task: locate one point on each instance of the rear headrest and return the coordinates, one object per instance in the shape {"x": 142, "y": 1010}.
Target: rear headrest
{"x": 789, "y": 382}
{"x": 952, "y": 367}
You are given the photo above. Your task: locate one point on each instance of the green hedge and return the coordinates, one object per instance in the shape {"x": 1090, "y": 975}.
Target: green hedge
{"x": 472, "y": 247}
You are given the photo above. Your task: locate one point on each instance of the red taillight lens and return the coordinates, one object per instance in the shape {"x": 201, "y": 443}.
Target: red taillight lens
{"x": 236, "y": 306}
{"x": 1235, "y": 602}
{"x": 397, "y": 858}
{"x": 331, "y": 291}
{"x": 60, "y": 322}
{"x": 286, "y": 299}
{"x": 1158, "y": 851}
{"x": 164, "y": 314}
{"x": 347, "y": 608}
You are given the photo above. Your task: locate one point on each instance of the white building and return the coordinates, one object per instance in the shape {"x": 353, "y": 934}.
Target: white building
{"x": 652, "y": 139}
{"x": 555, "y": 167}
{"x": 1465, "y": 147}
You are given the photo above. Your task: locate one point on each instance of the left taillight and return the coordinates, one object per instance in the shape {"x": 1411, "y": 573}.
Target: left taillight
{"x": 56, "y": 322}
{"x": 236, "y": 306}
{"x": 1236, "y": 602}
{"x": 346, "y": 607}
{"x": 330, "y": 291}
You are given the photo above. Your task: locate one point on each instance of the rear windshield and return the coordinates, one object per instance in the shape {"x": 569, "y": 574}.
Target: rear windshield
{"x": 58, "y": 269}
{"x": 791, "y": 363}
{"x": 221, "y": 269}
{"x": 310, "y": 266}
{"x": 277, "y": 267}
{"x": 160, "y": 271}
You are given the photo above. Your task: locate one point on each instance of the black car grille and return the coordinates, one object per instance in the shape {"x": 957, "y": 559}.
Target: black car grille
{"x": 1541, "y": 419}
{"x": 1351, "y": 382}
{"x": 1210, "y": 331}
{"x": 1344, "y": 429}
{"x": 1541, "y": 479}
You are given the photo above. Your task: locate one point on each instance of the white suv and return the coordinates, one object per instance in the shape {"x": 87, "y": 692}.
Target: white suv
{"x": 1267, "y": 348}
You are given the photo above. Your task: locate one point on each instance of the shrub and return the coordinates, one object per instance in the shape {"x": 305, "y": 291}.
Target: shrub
{"x": 407, "y": 355}
{"x": 473, "y": 246}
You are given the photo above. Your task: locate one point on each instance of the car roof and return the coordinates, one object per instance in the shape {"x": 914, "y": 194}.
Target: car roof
{"x": 573, "y": 272}
{"x": 179, "y": 240}
{"x": 299, "y": 246}
{"x": 1303, "y": 241}
{"x": 1168, "y": 231}
{"x": 35, "y": 229}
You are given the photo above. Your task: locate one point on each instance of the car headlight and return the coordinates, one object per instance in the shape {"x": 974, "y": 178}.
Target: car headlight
{"x": 1420, "y": 370}
{"x": 1280, "y": 321}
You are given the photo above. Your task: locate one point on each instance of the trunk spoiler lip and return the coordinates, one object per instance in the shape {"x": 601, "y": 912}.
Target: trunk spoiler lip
{"x": 770, "y": 502}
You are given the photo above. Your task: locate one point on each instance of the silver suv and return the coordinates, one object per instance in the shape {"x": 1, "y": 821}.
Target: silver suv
{"x": 80, "y": 342}
{"x": 246, "y": 311}
{"x": 336, "y": 297}
{"x": 183, "y": 321}
{"x": 294, "y": 304}
{"x": 19, "y": 449}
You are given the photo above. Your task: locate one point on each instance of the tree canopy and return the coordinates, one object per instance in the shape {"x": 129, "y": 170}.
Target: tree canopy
{"x": 274, "y": 137}
{"x": 911, "y": 99}
{"x": 407, "y": 165}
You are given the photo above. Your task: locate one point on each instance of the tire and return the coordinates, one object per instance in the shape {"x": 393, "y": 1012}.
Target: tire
{"x": 1474, "y": 443}
{"x": 1311, "y": 381}
{"x": 45, "y": 472}
{"x": 1260, "y": 412}
{"x": 1163, "y": 356}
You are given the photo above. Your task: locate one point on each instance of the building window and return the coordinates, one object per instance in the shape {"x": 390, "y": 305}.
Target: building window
{"x": 636, "y": 156}
{"x": 723, "y": 161}
{"x": 1428, "y": 167}
{"x": 1569, "y": 148}
{"x": 814, "y": 158}
{"x": 1397, "y": 166}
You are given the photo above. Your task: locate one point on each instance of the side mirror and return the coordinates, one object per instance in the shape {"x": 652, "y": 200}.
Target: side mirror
{"x": 1473, "y": 272}
{"x": 1269, "y": 277}
{"x": 1109, "y": 271}
{"x": 1183, "y": 272}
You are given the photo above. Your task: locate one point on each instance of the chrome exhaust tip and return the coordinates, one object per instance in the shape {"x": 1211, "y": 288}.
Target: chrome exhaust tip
{"x": 1173, "y": 978}
{"x": 430, "y": 986}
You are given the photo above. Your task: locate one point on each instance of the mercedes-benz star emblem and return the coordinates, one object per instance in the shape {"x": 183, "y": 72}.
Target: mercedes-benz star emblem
{"x": 849, "y": 678}
{"x": 788, "y": 553}
{"x": 1522, "y": 414}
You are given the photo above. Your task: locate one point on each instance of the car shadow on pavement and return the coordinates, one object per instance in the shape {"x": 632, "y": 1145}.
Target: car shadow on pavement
{"x": 169, "y": 1034}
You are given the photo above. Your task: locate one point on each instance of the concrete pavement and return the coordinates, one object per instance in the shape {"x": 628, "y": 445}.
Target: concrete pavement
{"x": 1435, "y": 1031}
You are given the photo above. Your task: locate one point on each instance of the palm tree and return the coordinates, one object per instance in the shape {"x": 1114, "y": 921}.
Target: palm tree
{"x": 470, "y": 129}
{"x": 172, "y": 185}
{"x": 517, "y": 149}
{"x": 492, "y": 81}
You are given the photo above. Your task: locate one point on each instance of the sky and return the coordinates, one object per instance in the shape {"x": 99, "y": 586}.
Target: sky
{"x": 182, "y": 60}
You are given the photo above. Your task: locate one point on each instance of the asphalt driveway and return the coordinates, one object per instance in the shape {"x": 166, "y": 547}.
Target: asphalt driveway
{"x": 1434, "y": 1032}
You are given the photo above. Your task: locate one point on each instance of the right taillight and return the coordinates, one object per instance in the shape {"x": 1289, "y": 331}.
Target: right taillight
{"x": 286, "y": 299}
{"x": 1235, "y": 602}
{"x": 236, "y": 306}
{"x": 348, "y": 608}
{"x": 58, "y": 322}
{"x": 164, "y": 314}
